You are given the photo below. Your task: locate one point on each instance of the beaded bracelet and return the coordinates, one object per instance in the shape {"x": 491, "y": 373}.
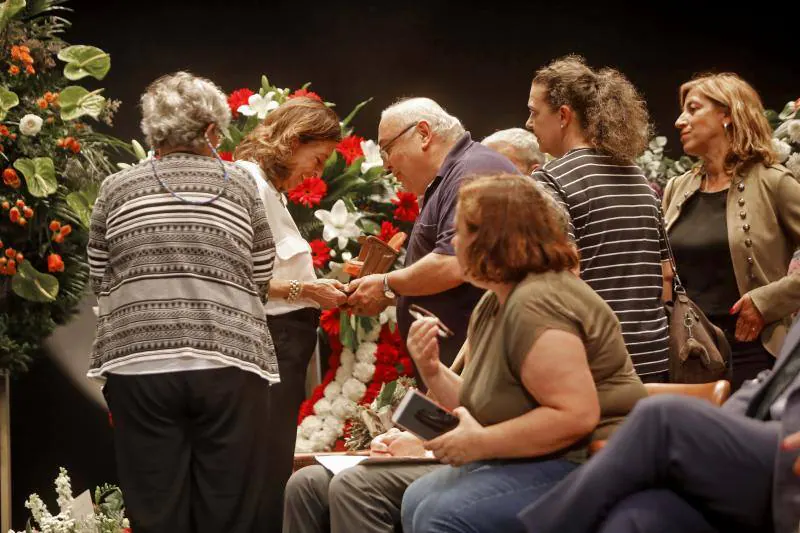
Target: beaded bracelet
{"x": 294, "y": 290}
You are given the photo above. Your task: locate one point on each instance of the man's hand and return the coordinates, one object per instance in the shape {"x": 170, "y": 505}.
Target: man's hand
{"x": 366, "y": 295}
{"x": 396, "y": 443}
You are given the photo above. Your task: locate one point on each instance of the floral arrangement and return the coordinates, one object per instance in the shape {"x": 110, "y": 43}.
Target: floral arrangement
{"x": 108, "y": 514}
{"x": 354, "y": 196}
{"x": 786, "y": 136}
{"x": 51, "y": 161}
{"x": 376, "y": 418}
{"x": 659, "y": 169}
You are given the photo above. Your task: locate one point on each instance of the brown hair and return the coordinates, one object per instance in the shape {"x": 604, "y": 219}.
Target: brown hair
{"x": 750, "y": 135}
{"x": 609, "y": 108}
{"x": 272, "y": 142}
{"x": 513, "y": 229}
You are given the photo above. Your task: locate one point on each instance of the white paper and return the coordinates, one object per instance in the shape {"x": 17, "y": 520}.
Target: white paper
{"x": 81, "y": 506}
{"x": 337, "y": 463}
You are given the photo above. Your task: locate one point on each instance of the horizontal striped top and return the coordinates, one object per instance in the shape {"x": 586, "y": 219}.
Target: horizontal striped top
{"x": 614, "y": 221}
{"x": 180, "y": 281}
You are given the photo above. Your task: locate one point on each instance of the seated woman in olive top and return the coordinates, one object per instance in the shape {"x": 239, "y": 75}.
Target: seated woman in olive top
{"x": 547, "y": 368}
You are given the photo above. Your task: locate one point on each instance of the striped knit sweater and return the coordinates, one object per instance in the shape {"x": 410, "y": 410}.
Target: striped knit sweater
{"x": 178, "y": 280}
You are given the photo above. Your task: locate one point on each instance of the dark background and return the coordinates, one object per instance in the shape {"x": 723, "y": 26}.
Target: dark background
{"x": 476, "y": 61}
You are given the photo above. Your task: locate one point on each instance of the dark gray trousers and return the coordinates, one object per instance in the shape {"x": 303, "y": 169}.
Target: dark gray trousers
{"x": 677, "y": 465}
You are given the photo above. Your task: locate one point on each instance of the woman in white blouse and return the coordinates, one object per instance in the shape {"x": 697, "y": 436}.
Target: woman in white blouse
{"x": 291, "y": 144}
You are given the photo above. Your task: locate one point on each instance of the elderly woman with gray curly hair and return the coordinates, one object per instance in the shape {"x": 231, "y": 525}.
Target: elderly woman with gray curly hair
{"x": 181, "y": 256}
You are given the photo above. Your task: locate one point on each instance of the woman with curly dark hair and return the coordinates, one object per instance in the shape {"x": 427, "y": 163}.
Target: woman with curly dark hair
{"x": 596, "y": 123}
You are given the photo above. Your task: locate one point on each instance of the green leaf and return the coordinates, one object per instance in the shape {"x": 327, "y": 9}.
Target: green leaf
{"x": 81, "y": 202}
{"x": 265, "y": 86}
{"x": 354, "y": 112}
{"x": 33, "y": 285}
{"x": 138, "y": 150}
{"x": 40, "y": 175}
{"x": 77, "y": 101}
{"x": 8, "y": 10}
{"x": 334, "y": 166}
{"x": 387, "y": 392}
{"x": 347, "y": 334}
{"x": 84, "y": 61}
{"x": 8, "y": 100}
{"x": 370, "y": 227}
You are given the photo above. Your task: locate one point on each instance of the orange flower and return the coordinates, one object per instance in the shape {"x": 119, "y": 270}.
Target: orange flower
{"x": 11, "y": 178}
{"x": 27, "y": 212}
{"x": 50, "y": 97}
{"x": 29, "y": 69}
{"x": 10, "y": 252}
{"x": 55, "y": 225}
{"x": 42, "y": 103}
{"x": 20, "y": 203}
{"x": 14, "y": 215}
{"x": 6, "y": 205}
{"x": 66, "y": 229}
{"x": 55, "y": 263}
{"x": 11, "y": 268}
{"x": 58, "y": 238}
{"x": 13, "y": 70}
{"x": 20, "y": 257}
{"x": 22, "y": 221}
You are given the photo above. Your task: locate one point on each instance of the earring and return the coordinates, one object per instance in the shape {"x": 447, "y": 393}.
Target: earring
{"x": 727, "y": 126}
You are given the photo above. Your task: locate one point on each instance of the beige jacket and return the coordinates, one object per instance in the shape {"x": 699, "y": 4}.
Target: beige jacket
{"x": 763, "y": 233}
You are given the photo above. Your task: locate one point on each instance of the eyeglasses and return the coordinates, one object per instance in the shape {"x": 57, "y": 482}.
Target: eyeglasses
{"x": 385, "y": 149}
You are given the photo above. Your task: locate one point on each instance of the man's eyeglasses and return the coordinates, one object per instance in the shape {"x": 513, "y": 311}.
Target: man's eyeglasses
{"x": 385, "y": 148}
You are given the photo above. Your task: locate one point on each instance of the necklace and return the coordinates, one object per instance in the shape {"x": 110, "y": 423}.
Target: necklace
{"x": 225, "y": 180}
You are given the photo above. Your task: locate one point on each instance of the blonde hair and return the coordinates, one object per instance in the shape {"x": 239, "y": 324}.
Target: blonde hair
{"x": 750, "y": 135}
{"x": 608, "y": 107}
{"x": 271, "y": 144}
{"x": 177, "y": 108}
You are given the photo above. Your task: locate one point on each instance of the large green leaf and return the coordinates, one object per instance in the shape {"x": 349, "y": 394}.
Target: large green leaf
{"x": 76, "y": 101}
{"x": 347, "y": 334}
{"x": 33, "y": 285}
{"x": 40, "y": 175}
{"x": 8, "y": 10}
{"x": 84, "y": 61}
{"x": 385, "y": 397}
{"x": 369, "y": 226}
{"x": 8, "y": 100}
{"x": 354, "y": 112}
{"x": 81, "y": 202}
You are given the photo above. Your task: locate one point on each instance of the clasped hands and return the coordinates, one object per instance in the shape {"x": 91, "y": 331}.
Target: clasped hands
{"x": 366, "y": 296}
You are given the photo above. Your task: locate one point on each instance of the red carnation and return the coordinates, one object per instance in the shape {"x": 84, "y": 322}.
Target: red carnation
{"x": 310, "y": 192}
{"x": 407, "y": 207}
{"x": 387, "y": 231}
{"x": 386, "y": 354}
{"x": 408, "y": 366}
{"x": 320, "y": 253}
{"x": 237, "y": 99}
{"x": 385, "y": 373}
{"x": 329, "y": 320}
{"x": 306, "y": 409}
{"x": 373, "y": 390}
{"x": 306, "y": 93}
{"x": 226, "y": 156}
{"x": 336, "y": 345}
{"x": 339, "y": 446}
{"x": 387, "y": 336}
{"x": 350, "y": 148}
{"x": 334, "y": 361}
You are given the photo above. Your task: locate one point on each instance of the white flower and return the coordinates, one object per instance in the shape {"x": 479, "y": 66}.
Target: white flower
{"x": 303, "y": 445}
{"x": 335, "y": 424}
{"x": 336, "y": 271}
{"x": 259, "y": 105}
{"x": 347, "y": 359}
{"x": 793, "y": 164}
{"x": 657, "y": 144}
{"x": 368, "y": 335}
{"x": 30, "y": 125}
{"x": 788, "y": 110}
{"x": 782, "y": 149}
{"x": 363, "y": 372}
{"x": 309, "y": 425}
{"x": 793, "y": 130}
{"x": 319, "y": 441}
{"x": 344, "y": 408}
{"x": 366, "y": 352}
{"x": 343, "y": 374}
{"x": 389, "y": 315}
{"x": 372, "y": 156}
{"x": 63, "y": 489}
{"x": 339, "y": 223}
{"x": 332, "y": 390}
{"x": 353, "y": 390}
{"x": 322, "y": 407}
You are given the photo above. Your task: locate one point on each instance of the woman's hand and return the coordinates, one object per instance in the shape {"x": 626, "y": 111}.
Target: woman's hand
{"x": 328, "y": 293}
{"x": 461, "y": 445}
{"x": 396, "y": 443}
{"x": 750, "y": 322}
{"x": 423, "y": 345}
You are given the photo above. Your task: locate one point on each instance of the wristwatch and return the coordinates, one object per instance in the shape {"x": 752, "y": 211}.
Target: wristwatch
{"x": 387, "y": 290}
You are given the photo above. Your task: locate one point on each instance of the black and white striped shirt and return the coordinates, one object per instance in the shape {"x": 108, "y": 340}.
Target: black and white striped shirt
{"x": 615, "y": 224}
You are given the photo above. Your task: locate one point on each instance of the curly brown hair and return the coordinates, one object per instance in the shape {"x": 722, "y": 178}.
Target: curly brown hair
{"x": 609, "y": 109}
{"x": 750, "y": 134}
{"x": 513, "y": 229}
{"x": 298, "y": 120}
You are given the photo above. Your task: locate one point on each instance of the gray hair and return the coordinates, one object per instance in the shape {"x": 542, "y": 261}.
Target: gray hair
{"x": 177, "y": 108}
{"x": 411, "y": 110}
{"x": 524, "y": 144}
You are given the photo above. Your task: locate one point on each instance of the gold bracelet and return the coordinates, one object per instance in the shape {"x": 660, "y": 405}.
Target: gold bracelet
{"x": 294, "y": 290}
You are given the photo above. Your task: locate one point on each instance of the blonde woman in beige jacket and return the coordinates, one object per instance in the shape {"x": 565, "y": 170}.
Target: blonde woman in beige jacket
{"x": 734, "y": 221}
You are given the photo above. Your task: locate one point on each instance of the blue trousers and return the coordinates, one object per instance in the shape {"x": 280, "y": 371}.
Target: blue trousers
{"x": 483, "y": 496}
{"x": 677, "y": 465}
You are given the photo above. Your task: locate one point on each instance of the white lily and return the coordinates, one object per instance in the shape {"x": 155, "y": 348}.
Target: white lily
{"x": 259, "y": 105}
{"x": 372, "y": 156}
{"x": 339, "y": 223}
